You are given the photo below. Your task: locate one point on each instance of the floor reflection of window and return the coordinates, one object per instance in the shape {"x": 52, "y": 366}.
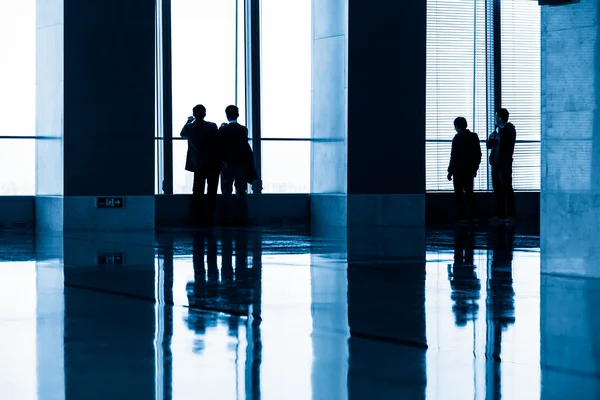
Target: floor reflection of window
{"x": 207, "y": 346}
{"x": 286, "y": 326}
{"x": 18, "y": 346}
{"x": 454, "y": 332}
{"x": 472, "y": 326}
{"x": 215, "y": 293}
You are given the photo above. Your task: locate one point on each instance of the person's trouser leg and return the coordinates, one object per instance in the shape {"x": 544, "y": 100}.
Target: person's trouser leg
{"x": 499, "y": 196}
{"x": 212, "y": 178}
{"x": 241, "y": 186}
{"x": 197, "y": 209}
{"x": 509, "y": 193}
{"x": 470, "y": 196}
{"x": 227, "y": 191}
{"x": 459, "y": 196}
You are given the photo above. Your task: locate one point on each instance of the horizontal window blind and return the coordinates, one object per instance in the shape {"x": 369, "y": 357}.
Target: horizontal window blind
{"x": 521, "y": 85}
{"x": 457, "y": 81}
{"x": 526, "y": 166}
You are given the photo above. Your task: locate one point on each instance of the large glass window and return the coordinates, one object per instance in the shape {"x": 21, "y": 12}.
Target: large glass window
{"x": 286, "y": 166}
{"x": 457, "y": 81}
{"x": 17, "y": 97}
{"x": 206, "y": 57}
{"x": 286, "y": 44}
{"x": 521, "y": 86}
{"x": 461, "y": 82}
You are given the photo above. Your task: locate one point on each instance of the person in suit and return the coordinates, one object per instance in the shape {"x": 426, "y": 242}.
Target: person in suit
{"x": 238, "y": 167}
{"x": 502, "y": 146}
{"x": 465, "y": 158}
{"x": 203, "y": 159}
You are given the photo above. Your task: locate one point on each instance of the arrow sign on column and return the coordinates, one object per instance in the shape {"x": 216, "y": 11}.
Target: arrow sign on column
{"x": 110, "y": 202}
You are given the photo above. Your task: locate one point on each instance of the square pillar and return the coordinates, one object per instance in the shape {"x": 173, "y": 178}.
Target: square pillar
{"x": 570, "y": 200}
{"x": 95, "y": 114}
{"x": 368, "y": 149}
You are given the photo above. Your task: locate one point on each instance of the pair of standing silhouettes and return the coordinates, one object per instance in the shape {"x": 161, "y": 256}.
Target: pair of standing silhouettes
{"x": 216, "y": 151}
{"x": 465, "y": 158}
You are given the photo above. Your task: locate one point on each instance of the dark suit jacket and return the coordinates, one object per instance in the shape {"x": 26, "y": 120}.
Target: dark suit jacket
{"x": 203, "y": 145}
{"x": 503, "y": 147}
{"x": 236, "y": 150}
{"x": 465, "y": 155}
{"x": 234, "y": 139}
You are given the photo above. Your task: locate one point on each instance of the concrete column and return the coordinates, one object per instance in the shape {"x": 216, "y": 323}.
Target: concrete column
{"x": 329, "y": 151}
{"x": 570, "y": 196}
{"x": 368, "y": 152}
{"x": 570, "y": 200}
{"x": 95, "y": 113}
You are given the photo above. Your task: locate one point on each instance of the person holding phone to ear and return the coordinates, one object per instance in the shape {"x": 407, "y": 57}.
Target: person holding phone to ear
{"x": 203, "y": 159}
{"x": 502, "y": 145}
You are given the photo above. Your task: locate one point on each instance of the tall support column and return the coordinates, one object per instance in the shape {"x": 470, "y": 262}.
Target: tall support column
{"x": 570, "y": 199}
{"x": 369, "y": 79}
{"x": 96, "y": 113}
{"x": 253, "y": 85}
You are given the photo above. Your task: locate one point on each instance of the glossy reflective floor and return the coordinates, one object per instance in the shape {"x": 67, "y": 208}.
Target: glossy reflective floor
{"x": 258, "y": 314}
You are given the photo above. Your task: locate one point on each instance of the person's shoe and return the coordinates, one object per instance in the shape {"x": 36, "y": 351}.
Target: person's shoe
{"x": 510, "y": 220}
{"x": 462, "y": 221}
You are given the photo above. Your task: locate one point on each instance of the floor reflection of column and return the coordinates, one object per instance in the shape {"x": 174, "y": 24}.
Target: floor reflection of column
{"x": 164, "y": 263}
{"x": 110, "y": 320}
{"x": 253, "y": 338}
{"x": 329, "y": 287}
{"x": 386, "y": 314}
{"x": 50, "y": 326}
{"x": 570, "y": 340}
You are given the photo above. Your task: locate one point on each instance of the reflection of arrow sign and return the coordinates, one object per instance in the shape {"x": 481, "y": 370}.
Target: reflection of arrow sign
{"x": 117, "y": 202}
{"x": 111, "y": 259}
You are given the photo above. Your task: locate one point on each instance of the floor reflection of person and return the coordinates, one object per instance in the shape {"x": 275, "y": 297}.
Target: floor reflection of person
{"x": 204, "y": 287}
{"x": 500, "y": 304}
{"x": 463, "y": 278}
{"x": 501, "y": 144}
{"x": 233, "y": 290}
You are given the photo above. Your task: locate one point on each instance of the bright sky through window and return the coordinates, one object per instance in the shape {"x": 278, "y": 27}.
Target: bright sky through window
{"x": 17, "y": 97}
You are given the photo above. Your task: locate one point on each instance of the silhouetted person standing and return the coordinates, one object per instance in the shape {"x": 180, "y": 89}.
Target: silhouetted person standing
{"x": 465, "y": 158}
{"x": 502, "y": 146}
{"x": 203, "y": 159}
{"x": 238, "y": 169}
